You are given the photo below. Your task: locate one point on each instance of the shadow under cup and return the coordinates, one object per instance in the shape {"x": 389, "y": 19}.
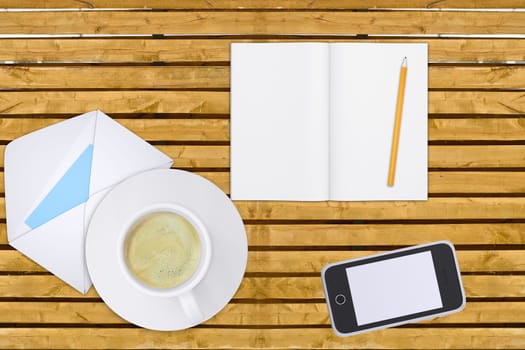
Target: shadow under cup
{"x": 165, "y": 251}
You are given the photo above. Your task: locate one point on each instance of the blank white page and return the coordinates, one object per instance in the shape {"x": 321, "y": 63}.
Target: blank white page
{"x": 279, "y": 121}
{"x": 364, "y": 84}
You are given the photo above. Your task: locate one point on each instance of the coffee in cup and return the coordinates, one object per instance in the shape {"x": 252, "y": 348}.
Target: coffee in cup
{"x": 165, "y": 251}
{"x": 162, "y": 250}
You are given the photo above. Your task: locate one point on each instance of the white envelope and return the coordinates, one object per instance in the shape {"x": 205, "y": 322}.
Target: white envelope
{"x": 54, "y": 179}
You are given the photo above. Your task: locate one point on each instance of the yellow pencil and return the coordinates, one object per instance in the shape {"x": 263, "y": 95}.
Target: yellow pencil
{"x": 397, "y": 123}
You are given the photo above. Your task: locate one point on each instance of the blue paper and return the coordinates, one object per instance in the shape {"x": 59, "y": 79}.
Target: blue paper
{"x": 71, "y": 190}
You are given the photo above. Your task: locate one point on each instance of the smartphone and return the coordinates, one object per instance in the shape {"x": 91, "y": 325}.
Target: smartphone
{"x": 394, "y": 288}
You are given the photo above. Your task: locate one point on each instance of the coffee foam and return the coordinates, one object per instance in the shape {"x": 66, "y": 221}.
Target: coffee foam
{"x": 162, "y": 250}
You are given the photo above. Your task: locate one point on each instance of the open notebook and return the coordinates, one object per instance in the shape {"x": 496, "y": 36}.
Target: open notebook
{"x": 314, "y": 121}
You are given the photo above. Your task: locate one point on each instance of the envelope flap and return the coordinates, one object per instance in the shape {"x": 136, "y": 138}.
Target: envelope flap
{"x": 119, "y": 153}
{"x": 36, "y": 162}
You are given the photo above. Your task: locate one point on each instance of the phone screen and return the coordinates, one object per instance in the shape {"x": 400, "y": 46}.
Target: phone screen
{"x": 393, "y": 288}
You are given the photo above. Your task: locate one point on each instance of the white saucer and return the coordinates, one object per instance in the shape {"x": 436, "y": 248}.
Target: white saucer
{"x": 210, "y": 204}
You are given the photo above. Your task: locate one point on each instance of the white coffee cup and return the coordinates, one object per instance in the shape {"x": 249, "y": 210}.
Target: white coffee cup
{"x": 182, "y": 291}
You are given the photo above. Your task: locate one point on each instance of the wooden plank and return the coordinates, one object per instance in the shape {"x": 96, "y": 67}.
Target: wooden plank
{"x": 462, "y": 208}
{"x": 452, "y": 338}
{"x": 198, "y": 156}
{"x": 311, "y": 287}
{"x": 217, "y": 50}
{"x": 260, "y": 4}
{"x": 115, "y": 50}
{"x": 483, "y": 156}
{"x": 218, "y": 77}
{"x": 433, "y": 209}
{"x": 476, "y": 182}
{"x": 400, "y": 235}
{"x": 500, "y": 77}
{"x": 295, "y": 235}
{"x": 195, "y": 129}
{"x": 14, "y": 261}
{"x": 77, "y": 102}
{"x": 264, "y": 22}
{"x": 472, "y": 129}
{"x": 217, "y": 102}
{"x": 301, "y": 338}
{"x": 58, "y": 312}
{"x": 448, "y": 182}
{"x": 15, "y": 77}
{"x": 297, "y": 314}
{"x": 275, "y": 314}
{"x": 457, "y": 102}
{"x": 190, "y": 129}
{"x": 46, "y": 286}
{"x": 314, "y": 261}
{"x": 320, "y": 235}
{"x": 439, "y": 182}
{"x": 268, "y": 288}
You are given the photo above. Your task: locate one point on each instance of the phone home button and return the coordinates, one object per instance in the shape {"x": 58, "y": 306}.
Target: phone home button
{"x": 340, "y": 299}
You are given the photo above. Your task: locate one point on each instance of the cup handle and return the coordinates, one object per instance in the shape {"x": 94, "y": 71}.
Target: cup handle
{"x": 190, "y": 307}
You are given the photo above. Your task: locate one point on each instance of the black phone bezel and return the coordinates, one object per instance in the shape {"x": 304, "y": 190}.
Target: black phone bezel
{"x": 343, "y": 315}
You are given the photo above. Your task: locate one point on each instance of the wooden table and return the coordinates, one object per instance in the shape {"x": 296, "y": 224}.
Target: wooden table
{"x": 161, "y": 68}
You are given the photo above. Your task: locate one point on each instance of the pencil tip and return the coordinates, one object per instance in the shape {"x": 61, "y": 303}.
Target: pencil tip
{"x": 404, "y": 63}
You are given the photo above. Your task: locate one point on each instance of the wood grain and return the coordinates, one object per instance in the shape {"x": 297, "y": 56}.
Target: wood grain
{"x": 190, "y": 129}
{"x": 173, "y": 91}
{"x": 321, "y": 338}
{"x": 457, "y": 102}
{"x": 15, "y": 77}
{"x": 77, "y": 102}
{"x": 260, "y": 4}
{"x": 464, "y": 156}
{"x": 217, "y": 102}
{"x": 313, "y": 261}
{"x": 260, "y": 288}
{"x": 242, "y": 314}
{"x": 195, "y": 129}
{"x": 316, "y": 314}
{"x": 217, "y": 50}
{"x": 439, "y": 182}
{"x": 311, "y": 287}
{"x": 476, "y": 78}
{"x": 479, "y": 156}
{"x": 196, "y": 77}
{"x": 446, "y": 182}
{"x": 476, "y": 182}
{"x": 263, "y": 22}
{"x": 463, "y": 208}
{"x": 357, "y": 235}
{"x": 474, "y": 129}
{"x": 433, "y": 209}
{"x": 349, "y": 235}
